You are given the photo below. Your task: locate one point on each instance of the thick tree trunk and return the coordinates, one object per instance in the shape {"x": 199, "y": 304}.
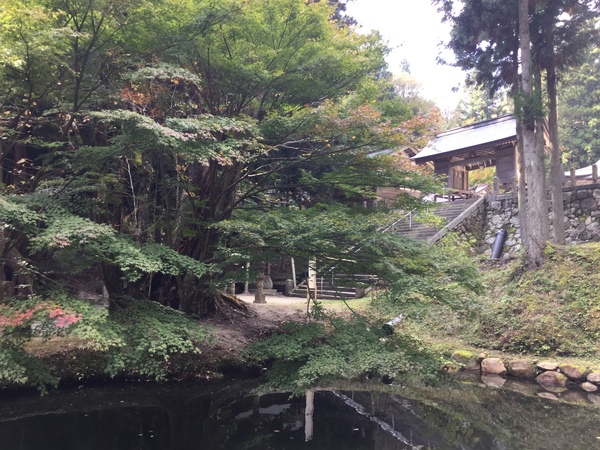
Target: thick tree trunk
{"x": 522, "y": 185}
{"x": 208, "y": 198}
{"x": 556, "y": 168}
{"x": 537, "y": 210}
{"x": 520, "y": 156}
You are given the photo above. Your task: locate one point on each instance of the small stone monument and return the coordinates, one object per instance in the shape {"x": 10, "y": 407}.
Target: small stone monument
{"x": 259, "y": 297}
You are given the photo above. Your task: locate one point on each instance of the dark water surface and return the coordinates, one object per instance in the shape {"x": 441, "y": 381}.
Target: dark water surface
{"x": 463, "y": 415}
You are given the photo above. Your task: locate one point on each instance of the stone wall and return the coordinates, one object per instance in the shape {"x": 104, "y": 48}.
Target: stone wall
{"x": 582, "y": 219}
{"x": 474, "y": 225}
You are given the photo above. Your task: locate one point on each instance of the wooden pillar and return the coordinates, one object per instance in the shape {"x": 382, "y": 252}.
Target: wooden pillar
{"x": 247, "y": 278}
{"x": 573, "y": 178}
{"x": 293, "y": 264}
{"x": 594, "y": 173}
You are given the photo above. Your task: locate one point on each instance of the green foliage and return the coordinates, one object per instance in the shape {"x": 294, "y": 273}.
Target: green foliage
{"x": 482, "y": 105}
{"x": 579, "y": 114}
{"x": 151, "y": 336}
{"x": 482, "y": 176}
{"x": 318, "y": 352}
{"x": 139, "y": 339}
{"x": 444, "y": 277}
{"x": 420, "y": 278}
{"x": 22, "y": 321}
{"x": 346, "y": 238}
{"x": 552, "y": 310}
{"x": 150, "y": 124}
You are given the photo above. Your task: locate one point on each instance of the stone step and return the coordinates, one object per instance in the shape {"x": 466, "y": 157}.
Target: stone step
{"x": 419, "y": 231}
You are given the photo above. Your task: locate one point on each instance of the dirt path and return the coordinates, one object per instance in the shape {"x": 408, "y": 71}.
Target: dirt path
{"x": 241, "y": 328}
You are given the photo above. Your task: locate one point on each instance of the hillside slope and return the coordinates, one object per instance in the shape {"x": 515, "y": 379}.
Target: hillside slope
{"x": 554, "y": 310}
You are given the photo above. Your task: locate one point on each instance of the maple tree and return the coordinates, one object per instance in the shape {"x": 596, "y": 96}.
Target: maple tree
{"x": 151, "y": 124}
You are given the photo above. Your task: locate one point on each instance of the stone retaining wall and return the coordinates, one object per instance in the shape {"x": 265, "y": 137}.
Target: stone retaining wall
{"x": 582, "y": 219}
{"x": 555, "y": 378}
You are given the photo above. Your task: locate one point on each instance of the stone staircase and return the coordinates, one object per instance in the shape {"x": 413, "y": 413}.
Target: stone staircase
{"x": 411, "y": 228}
{"x": 342, "y": 286}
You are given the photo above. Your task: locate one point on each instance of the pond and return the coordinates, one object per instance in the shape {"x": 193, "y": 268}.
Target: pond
{"x": 461, "y": 415}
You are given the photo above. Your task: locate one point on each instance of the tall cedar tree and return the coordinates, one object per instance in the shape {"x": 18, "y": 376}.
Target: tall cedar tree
{"x": 491, "y": 51}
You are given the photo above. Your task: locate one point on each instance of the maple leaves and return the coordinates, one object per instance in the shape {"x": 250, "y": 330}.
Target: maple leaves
{"x": 50, "y": 318}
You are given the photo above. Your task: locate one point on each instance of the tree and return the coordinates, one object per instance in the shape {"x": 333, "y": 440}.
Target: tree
{"x": 579, "y": 115}
{"x": 482, "y": 105}
{"x": 537, "y": 208}
{"x": 492, "y": 53}
{"x": 146, "y": 136}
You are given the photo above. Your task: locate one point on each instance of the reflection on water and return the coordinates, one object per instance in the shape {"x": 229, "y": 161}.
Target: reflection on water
{"x": 176, "y": 417}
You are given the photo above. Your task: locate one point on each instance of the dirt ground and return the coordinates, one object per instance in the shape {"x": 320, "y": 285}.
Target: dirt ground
{"x": 238, "y": 328}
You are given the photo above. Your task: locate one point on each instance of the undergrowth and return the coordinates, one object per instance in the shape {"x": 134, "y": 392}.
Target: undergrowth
{"x": 138, "y": 339}
{"x": 331, "y": 347}
{"x": 553, "y": 310}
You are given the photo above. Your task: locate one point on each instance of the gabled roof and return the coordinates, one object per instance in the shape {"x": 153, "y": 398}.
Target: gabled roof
{"x": 488, "y": 133}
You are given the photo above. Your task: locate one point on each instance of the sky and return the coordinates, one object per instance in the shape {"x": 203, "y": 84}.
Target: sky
{"x": 414, "y": 30}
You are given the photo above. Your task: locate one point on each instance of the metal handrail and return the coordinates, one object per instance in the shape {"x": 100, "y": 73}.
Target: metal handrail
{"x": 408, "y": 214}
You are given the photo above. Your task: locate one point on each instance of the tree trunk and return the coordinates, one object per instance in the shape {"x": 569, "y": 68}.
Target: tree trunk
{"x": 537, "y": 211}
{"x": 520, "y": 157}
{"x": 556, "y": 168}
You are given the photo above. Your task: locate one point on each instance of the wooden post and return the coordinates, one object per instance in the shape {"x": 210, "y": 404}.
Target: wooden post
{"x": 573, "y": 178}
{"x": 594, "y": 173}
{"x": 496, "y": 183}
{"x": 247, "y": 278}
{"x": 293, "y": 271}
{"x": 312, "y": 281}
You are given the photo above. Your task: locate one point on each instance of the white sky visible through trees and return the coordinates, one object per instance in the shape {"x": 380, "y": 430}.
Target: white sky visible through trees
{"x": 414, "y": 30}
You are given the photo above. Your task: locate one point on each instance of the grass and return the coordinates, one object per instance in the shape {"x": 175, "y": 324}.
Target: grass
{"x": 551, "y": 312}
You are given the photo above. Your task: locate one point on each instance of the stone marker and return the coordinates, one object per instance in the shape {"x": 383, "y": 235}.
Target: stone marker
{"x": 493, "y": 365}
{"x": 551, "y": 379}
{"x": 259, "y": 297}
{"x": 547, "y": 366}
{"x": 522, "y": 368}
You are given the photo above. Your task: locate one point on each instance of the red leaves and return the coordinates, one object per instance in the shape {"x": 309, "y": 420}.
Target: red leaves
{"x": 54, "y": 315}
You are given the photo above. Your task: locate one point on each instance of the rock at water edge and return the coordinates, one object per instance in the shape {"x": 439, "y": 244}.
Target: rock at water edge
{"x": 547, "y": 366}
{"x": 572, "y": 372}
{"x": 589, "y": 387}
{"x": 493, "y": 365}
{"x": 551, "y": 379}
{"x": 522, "y": 368}
{"x": 594, "y": 377}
